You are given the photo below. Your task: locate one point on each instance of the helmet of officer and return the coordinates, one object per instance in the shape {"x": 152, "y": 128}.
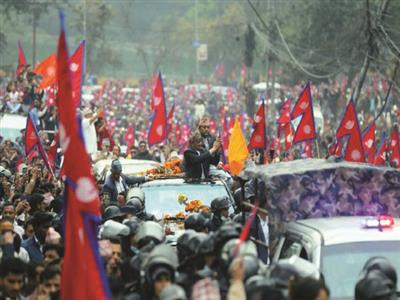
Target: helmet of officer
{"x": 220, "y": 203}
{"x": 235, "y": 247}
{"x": 182, "y": 245}
{"x": 375, "y": 285}
{"x": 162, "y": 259}
{"x": 173, "y": 292}
{"x": 112, "y": 212}
{"x": 149, "y": 231}
{"x": 197, "y": 222}
{"x": 133, "y": 206}
{"x": 382, "y": 264}
{"x": 136, "y": 193}
{"x": 226, "y": 232}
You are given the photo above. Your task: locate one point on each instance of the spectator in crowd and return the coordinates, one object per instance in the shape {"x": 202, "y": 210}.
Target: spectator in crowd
{"x": 12, "y": 272}
{"x": 89, "y": 130}
{"x": 41, "y": 222}
{"x": 143, "y": 153}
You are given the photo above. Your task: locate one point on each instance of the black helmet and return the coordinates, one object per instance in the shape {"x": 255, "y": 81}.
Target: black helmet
{"x": 161, "y": 259}
{"x": 260, "y": 287}
{"x": 282, "y": 273}
{"x": 197, "y": 222}
{"x": 173, "y": 292}
{"x": 225, "y": 233}
{"x": 149, "y": 231}
{"x": 207, "y": 246}
{"x": 375, "y": 284}
{"x": 133, "y": 206}
{"x": 220, "y": 203}
{"x": 133, "y": 226}
{"x": 113, "y": 212}
{"x": 136, "y": 193}
{"x": 234, "y": 247}
{"x": 382, "y": 264}
{"x": 182, "y": 245}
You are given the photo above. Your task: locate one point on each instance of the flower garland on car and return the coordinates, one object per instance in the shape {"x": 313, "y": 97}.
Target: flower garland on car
{"x": 168, "y": 168}
{"x": 191, "y": 206}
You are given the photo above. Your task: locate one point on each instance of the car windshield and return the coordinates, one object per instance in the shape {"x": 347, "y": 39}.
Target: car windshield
{"x": 163, "y": 199}
{"x": 342, "y": 264}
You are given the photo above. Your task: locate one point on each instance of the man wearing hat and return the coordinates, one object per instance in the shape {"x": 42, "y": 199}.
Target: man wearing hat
{"x": 116, "y": 182}
{"x": 89, "y": 131}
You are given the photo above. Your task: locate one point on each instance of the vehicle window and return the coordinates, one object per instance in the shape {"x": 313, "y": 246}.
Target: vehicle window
{"x": 163, "y": 199}
{"x": 342, "y": 264}
{"x": 290, "y": 248}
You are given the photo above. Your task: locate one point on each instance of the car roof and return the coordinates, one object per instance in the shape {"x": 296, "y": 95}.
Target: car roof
{"x": 340, "y": 230}
{"x": 176, "y": 181}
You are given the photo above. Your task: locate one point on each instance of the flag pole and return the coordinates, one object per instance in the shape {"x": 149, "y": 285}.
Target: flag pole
{"x": 317, "y": 145}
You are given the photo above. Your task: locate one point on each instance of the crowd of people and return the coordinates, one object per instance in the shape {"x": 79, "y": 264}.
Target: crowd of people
{"x": 208, "y": 261}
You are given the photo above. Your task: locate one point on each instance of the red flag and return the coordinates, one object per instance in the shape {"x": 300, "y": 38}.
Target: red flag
{"x": 158, "y": 127}
{"x": 77, "y": 71}
{"x": 304, "y": 108}
{"x": 130, "y": 138}
{"x": 21, "y": 60}
{"x": 169, "y": 118}
{"x": 394, "y": 147}
{"x": 349, "y": 127}
{"x": 52, "y": 152}
{"x": 284, "y": 113}
{"x": 31, "y": 135}
{"x": 258, "y": 137}
{"x": 51, "y": 95}
{"x": 380, "y": 158}
{"x": 48, "y": 70}
{"x": 368, "y": 139}
{"x": 307, "y": 150}
{"x": 83, "y": 274}
{"x": 284, "y": 124}
{"x": 32, "y": 141}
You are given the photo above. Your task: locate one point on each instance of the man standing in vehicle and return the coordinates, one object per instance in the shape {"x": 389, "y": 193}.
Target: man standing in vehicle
{"x": 117, "y": 182}
{"x": 198, "y": 159}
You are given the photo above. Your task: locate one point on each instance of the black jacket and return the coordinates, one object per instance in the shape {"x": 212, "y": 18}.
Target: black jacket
{"x": 257, "y": 233}
{"x": 143, "y": 156}
{"x": 215, "y": 158}
{"x": 195, "y": 163}
{"x": 110, "y": 187}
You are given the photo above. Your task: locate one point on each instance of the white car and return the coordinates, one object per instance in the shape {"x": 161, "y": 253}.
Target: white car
{"x": 11, "y": 125}
{"x": 340, "y": 246}
{"x": 129, "y": 167}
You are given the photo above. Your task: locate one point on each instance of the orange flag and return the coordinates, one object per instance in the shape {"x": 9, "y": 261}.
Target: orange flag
{"x": 48, "y": 69}
{"x": 237, "y": 150}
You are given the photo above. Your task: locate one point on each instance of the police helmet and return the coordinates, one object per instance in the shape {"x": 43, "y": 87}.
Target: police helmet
{"x": 220, "y": 203}
{"x": 173, "y": 292}
{"x": 197, "y": 222}
{"x": 382, "y": 264}
{"x": 136, "y": 193}
{"x": 374, "y": 285}
{"x": 133, "y": 206}
{"x": 149, "y": 231}
{"x": 112, "y": 212}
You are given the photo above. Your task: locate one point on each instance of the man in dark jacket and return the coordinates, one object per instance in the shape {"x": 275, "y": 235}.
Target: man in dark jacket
{"x": 260, "y": 231}
{"x": 116, "y": 182}
{"x": 143, "y": 153}
{"x": 197, "y": 159}
{"x": 41, "y": 222}
{"x": 208, "y": 139}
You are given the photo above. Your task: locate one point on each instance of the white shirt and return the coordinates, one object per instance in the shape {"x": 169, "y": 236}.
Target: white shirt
{"x": 119, "y": 185}
{"x": 89, "y": 135}
{"x": 265, "y": 229}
